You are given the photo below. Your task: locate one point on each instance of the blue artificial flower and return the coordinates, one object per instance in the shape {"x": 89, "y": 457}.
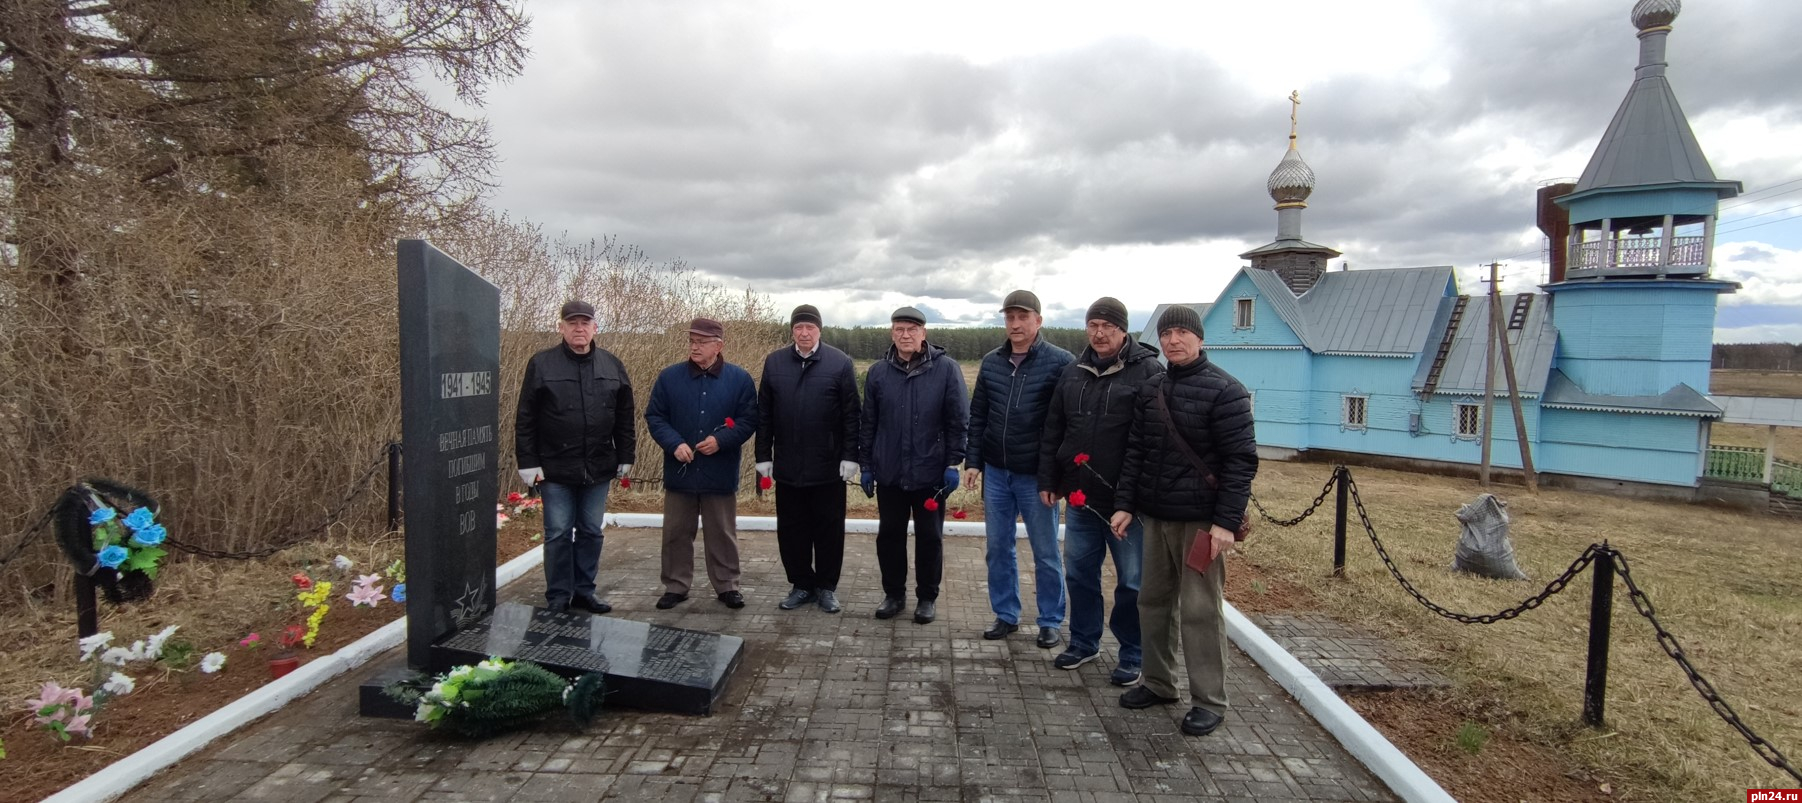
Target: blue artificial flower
{"x": 113, "y": 555}
{"x": 150, "y": 536}
{"x": 398, "y": 593}
{"x": 140, "y": 518}
{"x": 102, "y": 516}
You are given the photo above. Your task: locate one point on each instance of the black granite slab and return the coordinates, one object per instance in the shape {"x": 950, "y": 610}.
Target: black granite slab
{"x": 648, "y": 666}
{"x": 371, "y": 702}
{"x": 449, "y": 365}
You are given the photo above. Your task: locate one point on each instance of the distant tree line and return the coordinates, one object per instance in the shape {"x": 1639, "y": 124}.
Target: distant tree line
{"x": 1759, "y": 356}
{"x": 871, "y": 342}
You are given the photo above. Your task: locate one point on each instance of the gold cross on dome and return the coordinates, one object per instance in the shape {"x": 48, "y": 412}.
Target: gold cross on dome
{"x": 1294, "y": 108}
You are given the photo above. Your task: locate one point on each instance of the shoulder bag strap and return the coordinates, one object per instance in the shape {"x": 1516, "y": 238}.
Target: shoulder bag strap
{"x": 1182, "y": 441}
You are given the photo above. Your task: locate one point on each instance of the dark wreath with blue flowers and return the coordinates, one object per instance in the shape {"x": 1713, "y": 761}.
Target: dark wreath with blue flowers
{"x": 110, "y": 533}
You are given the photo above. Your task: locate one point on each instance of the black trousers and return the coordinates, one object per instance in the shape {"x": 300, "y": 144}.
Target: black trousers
{"x": 810, "y": 533}
{"x": 893, "y": 509}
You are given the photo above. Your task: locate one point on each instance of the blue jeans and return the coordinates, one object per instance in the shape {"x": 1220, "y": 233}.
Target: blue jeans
{"x": 573, "y": 516}
{"x": 1005, "y": 495}
{"x": 1087, "y": 540}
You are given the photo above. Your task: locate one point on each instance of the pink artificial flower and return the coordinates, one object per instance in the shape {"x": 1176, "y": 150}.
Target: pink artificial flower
{"x": 78, "y": 725}
{"x": 367, "y": 591}
{"x": 52, "y": 693}
{"x": 251, "y": 640}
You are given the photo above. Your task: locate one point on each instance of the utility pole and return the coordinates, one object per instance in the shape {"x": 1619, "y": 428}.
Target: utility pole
{"x": 1489, "y": 377}
{"x": 1501, "y": 344}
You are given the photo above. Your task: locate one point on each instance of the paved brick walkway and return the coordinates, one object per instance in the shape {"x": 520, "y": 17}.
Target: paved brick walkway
{"x": 1344, "y": 657}
{"x": 824, "y": 707}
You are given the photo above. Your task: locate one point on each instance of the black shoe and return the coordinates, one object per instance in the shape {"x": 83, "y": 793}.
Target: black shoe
{"x": 999, "y": 629}
{"x": 1141, "y": 697}
{"x": 926, "y": 611}
{"x": 733, "y": 599}
{"x": 795, "y": 599}
{"x": 889, "y": 607}
{"x": 828, "y": 600}
{"x": 1125, "y": 675}
{"x": 1200, "y": 721}
{"x": 670, "y": 599}
{"x": 557, "y": 605}
{"x": 1049, "y": 637}
{"x": 1071, "y": 659}
{"x": 591, "y": 604}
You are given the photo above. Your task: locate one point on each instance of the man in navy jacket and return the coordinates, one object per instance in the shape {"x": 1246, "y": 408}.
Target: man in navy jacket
{"x": 915, "y": 413}
{"x": 807, "y": 403}
{"x": 701, "y": 412}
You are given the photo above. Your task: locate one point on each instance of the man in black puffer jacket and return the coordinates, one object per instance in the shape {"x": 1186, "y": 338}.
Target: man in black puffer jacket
{"x": 1086, "y": 428}
{"x": 1197, "y": 412}
{"x": 808, "y": 409}
{"x": 1007, "y": 421}
{"x": 910, "y": 441}
{"x": 573, "y": 433}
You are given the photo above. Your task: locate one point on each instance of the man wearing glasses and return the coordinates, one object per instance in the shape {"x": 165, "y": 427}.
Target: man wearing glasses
{"x": 701, "y": 412}
{"x": 573, "y": 433}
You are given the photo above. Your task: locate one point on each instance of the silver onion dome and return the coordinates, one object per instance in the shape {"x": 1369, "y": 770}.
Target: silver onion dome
{"x": 1292, "y": 181}
{"x": 1654, "y": 13}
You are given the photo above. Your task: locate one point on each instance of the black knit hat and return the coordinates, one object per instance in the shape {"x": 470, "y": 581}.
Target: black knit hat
{"x": 806, "y": 313}
{"x": 1107, "y": 309}
{"x": 908, "y": 314}
{"x": 1179, "y": 315}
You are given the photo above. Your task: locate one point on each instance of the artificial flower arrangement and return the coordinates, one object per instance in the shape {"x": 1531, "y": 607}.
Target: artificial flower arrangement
{"x": 497, "y": 695}
{"x": 69, "y": 712}
{"x": 111, "y": 534}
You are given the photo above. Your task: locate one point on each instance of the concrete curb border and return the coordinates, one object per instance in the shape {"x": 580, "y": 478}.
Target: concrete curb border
{"x": 1359, "y": 738}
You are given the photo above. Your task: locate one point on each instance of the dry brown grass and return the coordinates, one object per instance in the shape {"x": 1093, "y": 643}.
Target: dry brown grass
{"x": 1722, "y": 581}
{"x": 1738, "y": 382}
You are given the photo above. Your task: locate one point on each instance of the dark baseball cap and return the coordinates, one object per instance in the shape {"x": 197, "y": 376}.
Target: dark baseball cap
{"x": 576, "y": 309}
{"x": 1021, "y": 299}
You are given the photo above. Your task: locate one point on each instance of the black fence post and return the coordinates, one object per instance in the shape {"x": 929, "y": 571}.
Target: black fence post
{"x": 1601, "y": 616}
{"x": 393, "y": 486}
{"x": 1340, "y": 491}
{"x": 87, "y": 608}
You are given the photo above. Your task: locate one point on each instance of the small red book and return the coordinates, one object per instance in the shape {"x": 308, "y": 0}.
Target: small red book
{"x": 1201, "y": 551}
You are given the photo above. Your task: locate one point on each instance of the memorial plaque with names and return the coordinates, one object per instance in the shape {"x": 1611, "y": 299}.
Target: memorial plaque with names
{"x": 450, "y": 338}
{"x": 648, "y": 666}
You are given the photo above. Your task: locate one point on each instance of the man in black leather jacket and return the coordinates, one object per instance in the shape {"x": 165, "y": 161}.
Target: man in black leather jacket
{"x": 1188, "y": 470}
{"x": 573, "y": 433}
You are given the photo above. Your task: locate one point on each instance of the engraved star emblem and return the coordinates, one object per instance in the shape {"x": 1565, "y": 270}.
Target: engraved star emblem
{"x": 469, "y": 606}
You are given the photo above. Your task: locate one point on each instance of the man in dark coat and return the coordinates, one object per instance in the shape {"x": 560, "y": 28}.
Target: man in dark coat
{"x": 911, "y": 438}
{"x": 1007, "y": 421}
{"x": 1086, "y": 428}
{"x": 572, "y": 434}
{"x": 1196, "y": 413}
{"x": 807, "y": 444}
{"x": 701, "y": 412}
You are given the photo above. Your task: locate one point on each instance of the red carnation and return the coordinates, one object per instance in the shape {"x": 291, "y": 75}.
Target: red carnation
{"x": 958, "y": 514}
{"x": 1081, "y": 458}
{"x": 515, "y": 498}
{"x": 729, "y": 422}
{"x": 293, "y": 636}
{"x": 1078, "y": 498}
{"x": 932, "y": 504}
{"x": 625, "y": 482}
{"x": 301, "y": 581}
{"x": 764, "y": 483}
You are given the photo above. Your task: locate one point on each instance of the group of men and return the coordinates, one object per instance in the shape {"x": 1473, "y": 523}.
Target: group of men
{"x": 1153, "y": 464}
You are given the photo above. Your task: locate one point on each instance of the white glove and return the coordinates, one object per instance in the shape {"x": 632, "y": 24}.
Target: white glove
{"x": 531, "y": 476}
{"x": 763, "y": 468}
{"x": 848, "y": 470}
{"x": 625, "y": 470}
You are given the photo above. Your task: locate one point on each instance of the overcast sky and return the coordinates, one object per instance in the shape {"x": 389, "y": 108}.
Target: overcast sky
{"x": 860, "y": 156}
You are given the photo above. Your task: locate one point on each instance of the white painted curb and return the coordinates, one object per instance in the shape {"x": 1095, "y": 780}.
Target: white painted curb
{"x": 122, "y": 775}
{"x": 1364, "y": 742}
{"x": 1360, "y": 739}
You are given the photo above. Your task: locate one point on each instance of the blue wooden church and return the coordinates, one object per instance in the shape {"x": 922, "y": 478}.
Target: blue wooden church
{"x": 1612, "y": 357}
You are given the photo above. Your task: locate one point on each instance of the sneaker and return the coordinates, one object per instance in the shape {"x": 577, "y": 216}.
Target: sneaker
{"x": 591, "y": 604}
{"x": 889, "y": 607}
{"x": 1126, "y": 675}
{"x": 1141, "y": 697}
{"x": 795, "y": 599}
{"x": 1049, "y": 637}
{"x": 1200, "y": 721}
{"x": 1071, "y": 659}
{"x": 670, "y": 599}
{"x": 732, "y": 599}
{"x": 926, "y": 611}
{"x": 828, "y": 600}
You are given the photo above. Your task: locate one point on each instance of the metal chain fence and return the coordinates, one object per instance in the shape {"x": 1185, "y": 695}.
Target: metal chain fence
{"x": 25, "y": 538}
{"x": 1291, "y": 522}
{"x": 1643, "y": 604}
{"x": 295, "y": 536}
